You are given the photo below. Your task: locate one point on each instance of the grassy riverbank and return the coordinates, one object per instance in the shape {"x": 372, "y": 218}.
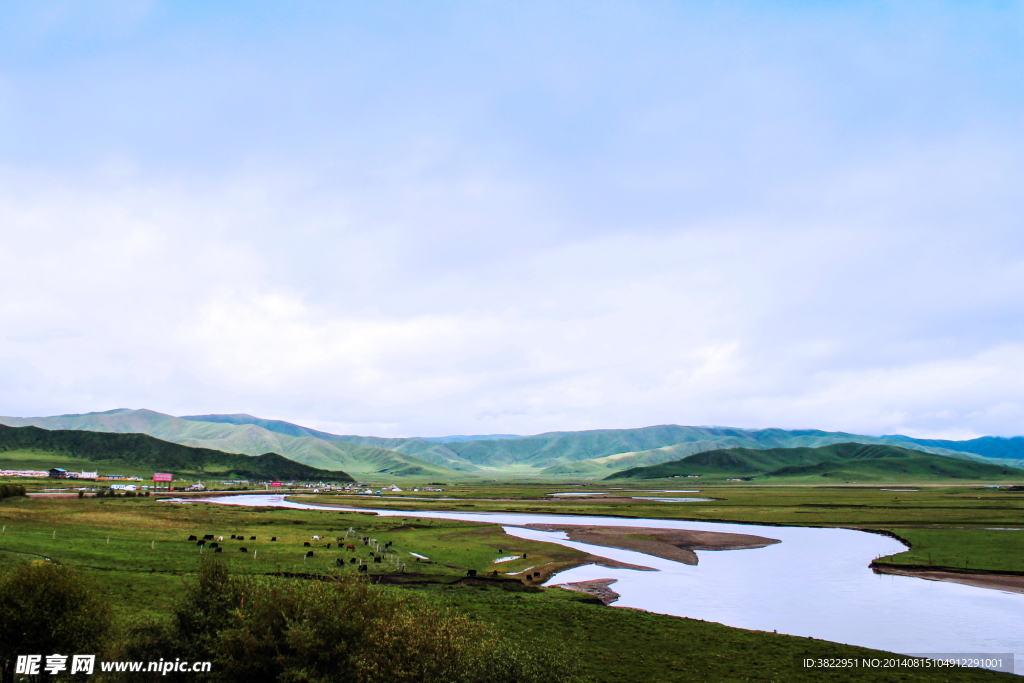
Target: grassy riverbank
{"x": 143, "y": 567}
{"x": 955, "y": 518}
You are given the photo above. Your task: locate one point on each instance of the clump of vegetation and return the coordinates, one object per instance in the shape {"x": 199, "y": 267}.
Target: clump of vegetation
{"x": 342, "y": 629}
{"x": 47, "y": 608}
{"x": 11, "y": 490}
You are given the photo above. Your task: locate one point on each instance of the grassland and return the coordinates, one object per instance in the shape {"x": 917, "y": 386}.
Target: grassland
{"x": 964, "y": 512}
{"x": 136, "y": 549}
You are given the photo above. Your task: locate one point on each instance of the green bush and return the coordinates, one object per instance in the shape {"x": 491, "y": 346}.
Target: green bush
{"x": 47, "y": 608}
{"x": 341, "y": 630}
{"x": 11, "y": 490}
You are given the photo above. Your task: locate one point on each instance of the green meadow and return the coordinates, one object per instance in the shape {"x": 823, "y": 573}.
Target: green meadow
{"x": 136, "y": 550}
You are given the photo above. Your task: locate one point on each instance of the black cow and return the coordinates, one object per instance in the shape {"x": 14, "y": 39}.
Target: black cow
{"x": 340, "y": 562}
{"x": 201, "y": 542}
{"x": 252, "y": 538}
{"x": 214, "y": 545}
{"x": 208, "y": 537}
{"x": 364, "y": 568}
{"x": 470, "y": 572}
{"x": 328, "y": 545}
{"x": 309, "y": 553}
{"x": 192, "y": 538}
{"x": 306, "y": 545}
{"x": 243, "y": 549}
{"x": 353, "y": 560}
{"x": 232, "y": 537}
{"x": 378, "y": 559}
{"x": 218, "y": 550}
{"x": 273, "y": 538}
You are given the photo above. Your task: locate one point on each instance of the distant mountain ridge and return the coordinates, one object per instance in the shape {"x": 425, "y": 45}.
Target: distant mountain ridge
{"x": 246, "y": 439}
{"x": 989, "y": 446}
{"x": 854, "y": 462}
{"x": 116, "y": 450}
{"x": 584, "y": 454}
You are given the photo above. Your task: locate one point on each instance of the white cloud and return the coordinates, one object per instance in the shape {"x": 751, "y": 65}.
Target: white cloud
{"x": 466, "y": 226}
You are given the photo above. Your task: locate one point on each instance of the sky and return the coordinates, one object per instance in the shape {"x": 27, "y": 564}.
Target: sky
{"x": 410, "y": 218}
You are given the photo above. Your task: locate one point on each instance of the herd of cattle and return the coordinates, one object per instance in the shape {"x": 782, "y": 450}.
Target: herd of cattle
{"x": 377, "y": 553}
{"x": 208, "y": 541}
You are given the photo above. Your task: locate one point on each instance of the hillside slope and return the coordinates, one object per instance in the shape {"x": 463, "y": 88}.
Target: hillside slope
{"x": 114, "y": 451}
{"x": 247, "y": 439}
{"x": 1011, "y": 448}
{"x": 588, "y": 453}
{"x": 843, "y": 461}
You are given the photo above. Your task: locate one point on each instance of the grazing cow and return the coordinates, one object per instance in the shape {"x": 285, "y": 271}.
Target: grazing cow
{"x": 218, "y": 550}
{"x": 192, "y": 538}
{"x": 309, "y": 553}
{"x": 252, "y": 538}
{"x": 306, "y": 544}
{"x": 273, "y": 538}
{"x": 378, "y": 559}
{"x": 232, "y": 537}
{"x": 201, "y": 541}
{"x": 243, "y": 549}
{"x": 214, "y": 544}
{"x": 339, "y": 539}
{"x": 364, "y": 567}
{"x": 470, "y": 572}
{"x": 316, "y": 538}
{"x": 340, "y": 562}
{"x": 220, "y": 538}
{"x": 208, "y": 537}
{"x": 350, "y": 547}
{"x": 328, "y": 545}
{"x": 353, "y": 560}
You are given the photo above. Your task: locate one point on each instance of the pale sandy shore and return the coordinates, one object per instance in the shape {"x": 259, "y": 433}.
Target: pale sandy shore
{"x": 669, "y": 544}
{"x": 599, "y": 588}
{"x": 1004, "y": 582}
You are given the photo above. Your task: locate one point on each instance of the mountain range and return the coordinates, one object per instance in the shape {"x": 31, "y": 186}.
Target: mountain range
{"x": 842, "y": 462}
{"x": 585, "y": 454}
{"x": 129, "y": 453}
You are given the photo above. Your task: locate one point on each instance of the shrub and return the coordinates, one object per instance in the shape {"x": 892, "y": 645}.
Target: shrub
{"x": 340, "y": 630}
{"x": 11, "y": 490}
{"x": 47, "y": 608}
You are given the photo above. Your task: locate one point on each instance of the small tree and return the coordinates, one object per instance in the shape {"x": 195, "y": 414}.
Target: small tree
{"x": 47, "y": 608}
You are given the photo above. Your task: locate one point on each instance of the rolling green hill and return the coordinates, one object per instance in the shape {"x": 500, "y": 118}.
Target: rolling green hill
{"x": 113, "y": 452}
{"x": 840, "y": 462}
{"x": 595, "y": 453}
{"x": 247, "y": 439}
{"x": 589, "y": 454}
{"x": 1011, "y": 448}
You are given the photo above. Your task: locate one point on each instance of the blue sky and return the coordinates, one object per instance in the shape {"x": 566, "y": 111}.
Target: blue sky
{"x": 404, "y": 218}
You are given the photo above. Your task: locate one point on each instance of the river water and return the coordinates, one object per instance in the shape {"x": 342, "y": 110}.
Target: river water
{"x": 815, "y": 583}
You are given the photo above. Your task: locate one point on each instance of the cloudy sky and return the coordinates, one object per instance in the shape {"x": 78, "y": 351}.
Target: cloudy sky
{"x": 427, "y": 218}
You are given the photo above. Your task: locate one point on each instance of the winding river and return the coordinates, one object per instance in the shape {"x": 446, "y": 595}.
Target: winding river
{"x": 815, "y": 583}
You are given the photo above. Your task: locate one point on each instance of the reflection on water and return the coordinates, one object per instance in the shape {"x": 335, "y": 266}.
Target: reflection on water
{"x": 816, "y": 582}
